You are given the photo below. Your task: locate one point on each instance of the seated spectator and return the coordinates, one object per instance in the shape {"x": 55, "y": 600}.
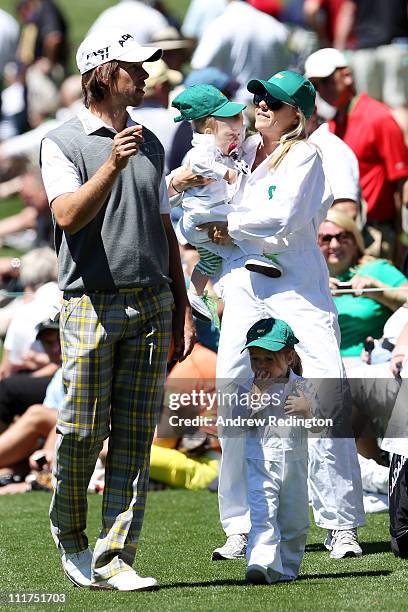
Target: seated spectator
{"x": 375, "y": 381}
{"x": 362, "y": 312}
{"x": 35, "y": 275}
{"x": 35, "y": 216}
{"x": 27, "y": 434}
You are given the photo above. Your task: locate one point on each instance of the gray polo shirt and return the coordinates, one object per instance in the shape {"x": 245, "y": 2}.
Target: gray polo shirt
{"x": 125, "y": 245}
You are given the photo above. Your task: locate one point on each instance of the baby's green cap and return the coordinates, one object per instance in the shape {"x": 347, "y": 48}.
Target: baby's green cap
{"x": 271, "y": 334}
{"x": 199, "y": 101}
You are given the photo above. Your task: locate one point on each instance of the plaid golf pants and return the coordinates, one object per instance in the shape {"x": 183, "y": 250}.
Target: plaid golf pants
{"x": 114, "y": 348}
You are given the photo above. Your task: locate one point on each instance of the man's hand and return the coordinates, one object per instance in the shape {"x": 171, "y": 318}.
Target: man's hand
{"x": 184, "y": 333}
{"x": 125, "y": 145}
{"x": 185, "y": 179}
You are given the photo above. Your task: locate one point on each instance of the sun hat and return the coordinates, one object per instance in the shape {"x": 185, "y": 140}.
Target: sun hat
{"x": 160, "y": 73}
{"x": 271, "y": 334}
{"x": 106, "y": 45}
{"x": 290, "y": 87}
{"x": 323, "y": 63}
{"x": 46, "y": 325}
{"x": 201, "y": 101}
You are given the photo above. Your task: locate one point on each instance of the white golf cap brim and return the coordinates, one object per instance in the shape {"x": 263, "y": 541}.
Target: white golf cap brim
{"x": 104, "y": 46}
{"x": 323, "y": 63}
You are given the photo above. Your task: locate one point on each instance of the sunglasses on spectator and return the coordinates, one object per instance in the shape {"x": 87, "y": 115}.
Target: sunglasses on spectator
{"x": 272, "y": 103}
{"x": 340, "y": 237}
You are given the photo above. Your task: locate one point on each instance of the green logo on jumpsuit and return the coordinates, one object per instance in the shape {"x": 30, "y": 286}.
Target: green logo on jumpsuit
{"x": 271, "y": 191}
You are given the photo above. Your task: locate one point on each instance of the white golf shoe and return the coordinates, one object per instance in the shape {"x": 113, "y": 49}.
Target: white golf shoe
{"x": 77, "y": 567}
{"x": 343, "y": 543}
{"x": 126, "y": 580}
{"x": 234, "y": 548}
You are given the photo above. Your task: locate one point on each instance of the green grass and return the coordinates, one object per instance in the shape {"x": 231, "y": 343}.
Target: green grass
{"x": 180, "y": 530}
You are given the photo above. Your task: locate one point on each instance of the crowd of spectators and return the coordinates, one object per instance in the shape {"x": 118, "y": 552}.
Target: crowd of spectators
{"x": 361, "y": 75}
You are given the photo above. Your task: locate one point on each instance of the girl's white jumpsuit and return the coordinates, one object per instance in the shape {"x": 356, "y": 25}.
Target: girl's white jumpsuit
{"x": 283, "y": 209}
{"x": 276, "y": 459}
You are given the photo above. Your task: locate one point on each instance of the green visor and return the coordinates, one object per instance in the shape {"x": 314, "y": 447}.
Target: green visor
{"x": 290, "y": 87}
{"x": 271, "y": 335}
{"x": 199, "y": 101}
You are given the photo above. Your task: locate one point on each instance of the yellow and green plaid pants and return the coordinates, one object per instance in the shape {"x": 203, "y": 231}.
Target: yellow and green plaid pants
{"x": 114, "y": 348}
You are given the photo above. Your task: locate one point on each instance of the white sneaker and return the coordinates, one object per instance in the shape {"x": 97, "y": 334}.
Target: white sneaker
{"x": 126, "y": 580}
{"x": 344, "y": 544}
{"x": 256, "y": 574}
{"x": 234, "y": 548}
{"x": 267, "y": 267}
{"x": 199, "y": 307}
{"x": 77, "y": 567}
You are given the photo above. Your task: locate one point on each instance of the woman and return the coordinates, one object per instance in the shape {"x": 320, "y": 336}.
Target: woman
{"x": 360, "y": 314}
{"x": 282, "y": 204}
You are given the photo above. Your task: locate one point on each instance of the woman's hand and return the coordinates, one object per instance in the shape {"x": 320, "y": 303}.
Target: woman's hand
{"x": 359, "y": 282}
{"x": 185, "y": 179}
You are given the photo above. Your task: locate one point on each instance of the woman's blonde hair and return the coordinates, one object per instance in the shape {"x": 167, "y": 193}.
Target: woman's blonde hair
{"x": 289, "y": 139}
{"x": 347, "y": 223}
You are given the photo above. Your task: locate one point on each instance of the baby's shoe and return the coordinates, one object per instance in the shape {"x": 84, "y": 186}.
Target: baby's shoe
{"x": 264, "y": 266}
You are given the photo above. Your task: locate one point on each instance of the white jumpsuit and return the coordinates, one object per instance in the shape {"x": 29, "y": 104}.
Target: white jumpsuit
{"x": 276, "y": 459}
{"x": 285, "y": 207}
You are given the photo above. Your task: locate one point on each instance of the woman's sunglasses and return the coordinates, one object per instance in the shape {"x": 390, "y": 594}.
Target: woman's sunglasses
{"x": 272, "y": 103}
{"x": 340, "y": 237}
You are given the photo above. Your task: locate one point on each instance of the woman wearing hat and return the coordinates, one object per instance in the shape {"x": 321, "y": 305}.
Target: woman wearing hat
{"x": 360, "y": 314}
{"x": 281, "y": 204}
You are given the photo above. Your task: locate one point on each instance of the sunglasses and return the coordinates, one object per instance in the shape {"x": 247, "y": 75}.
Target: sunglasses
{"x": 272, "y": 103}
{"x": 340, "y": 237}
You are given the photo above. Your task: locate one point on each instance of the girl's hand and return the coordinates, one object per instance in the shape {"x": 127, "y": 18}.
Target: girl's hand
{"x": 298, "y": 405}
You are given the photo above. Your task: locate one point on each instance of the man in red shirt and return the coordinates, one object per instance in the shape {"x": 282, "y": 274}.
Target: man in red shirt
{"x": 369, "y": 128}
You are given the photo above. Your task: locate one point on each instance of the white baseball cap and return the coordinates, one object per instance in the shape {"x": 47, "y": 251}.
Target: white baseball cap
{"x": 106, "y": 45}
{"x": 323, "y": 63}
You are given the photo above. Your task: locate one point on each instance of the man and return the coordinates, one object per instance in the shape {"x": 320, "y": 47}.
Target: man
{"x": 242, "y": 42}
{"x": 44, "y": 33}
{"x": 136, "y": 17}
{"x": 117, "y": 253}
{"x": 369, "y": 129}
{"x": 380, "y": 54}
{"x": 340, "y": 166}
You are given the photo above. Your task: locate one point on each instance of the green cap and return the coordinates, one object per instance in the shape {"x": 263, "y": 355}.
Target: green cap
{"x": 290, "y": 87}
{"x": 271, "y": 334}
{"x": 200, "y": 101}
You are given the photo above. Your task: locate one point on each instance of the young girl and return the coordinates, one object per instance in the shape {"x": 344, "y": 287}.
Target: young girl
{"x": 276, "y": 455}
{"x": 215, "y": 154}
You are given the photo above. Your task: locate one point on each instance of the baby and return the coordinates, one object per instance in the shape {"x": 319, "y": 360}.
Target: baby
{"x": 215, "y": 154}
